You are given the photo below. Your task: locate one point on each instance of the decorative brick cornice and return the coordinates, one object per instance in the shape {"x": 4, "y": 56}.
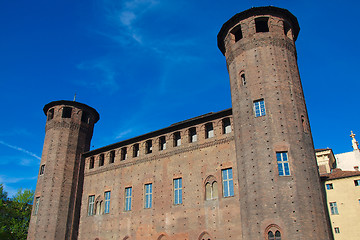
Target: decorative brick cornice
{"x": 177, "y": 150}
{"x": 262, "y": 42}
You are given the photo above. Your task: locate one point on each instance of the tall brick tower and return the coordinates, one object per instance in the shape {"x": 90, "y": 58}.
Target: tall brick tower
{"x": 56, "y": 209}
{"x": 280, "y": 191}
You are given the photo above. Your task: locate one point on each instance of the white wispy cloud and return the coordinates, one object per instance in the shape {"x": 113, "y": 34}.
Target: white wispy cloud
{"x": 123, "y": 134}
{"x": 20, "y": 149}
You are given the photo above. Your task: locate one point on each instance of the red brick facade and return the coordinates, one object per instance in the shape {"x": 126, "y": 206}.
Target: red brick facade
{"x": 242, "y": 173}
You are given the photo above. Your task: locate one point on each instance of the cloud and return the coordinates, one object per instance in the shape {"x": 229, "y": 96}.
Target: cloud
{"x": 123, "y": 134}
{"x": 5, "y": 179}
{"x": 20, "y": 149}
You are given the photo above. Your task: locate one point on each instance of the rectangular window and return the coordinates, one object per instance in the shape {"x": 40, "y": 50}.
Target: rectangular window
{"x": 226, "y": 126}
{"x": 92, "y": 163}
{"x": 107, "y": 202}
{"x": 128, "y": 195}
{"x": 192, "y": 135}
{"x": 329, "y": 186}
{"x": 101, "y": 160}
{"x": 91, "y": 205}
{"x": 177, "y": 139}
{"x": 337, "y": 230}
{"x": 259, "y": 108}
{"x": 136, "y": 150}
{"x": 112, "y": 157}
{"x": 283, "y": 163}
{"x": 162, "y": 143}
{"x": 333, "y": 208}
{"x": 85, "y": 117}
{"x": 148, "y": 195}
{"x": 209, "y": 130}
{"x": 50, "y": 114}
{"x": 37, "y": 203}
{"x": 123, "y": 154}
{"x": 261, "y": 24}
{"x": 228, "y": 183}
{"x": 66, "y": 112}
{"x": 357, "y": 182}
{"x": 148, "y": 146}
{"x": 178, "y": 191}
{"x": 42, "y": 169}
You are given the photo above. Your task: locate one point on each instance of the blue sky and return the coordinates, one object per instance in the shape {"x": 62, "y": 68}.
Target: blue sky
{"x": 145, "y": 64}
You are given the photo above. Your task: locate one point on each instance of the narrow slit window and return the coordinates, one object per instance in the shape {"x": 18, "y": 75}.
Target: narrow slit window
{"x": 262, "y": 24}
{"x": 177, "y": 139}
{"x": 50, "y": 114}
{"x": 42, "y": 169}
{"x": 85, "y": 117}
{"x": 128, "y": 196}
{"x": 178, "y": 191}
{"x": 37, "y": 203}
{"x": 192, "y": 135}
{"x": 112, "y": 157}
{"x": 123, "y": 153}
{"x": 148, "y": 195}
{"x": 209, "y": 130}
{"x": 148, "y": 146}
{"x": 66, "y": 112}
{"x": 162, "y": 143}
{"x": 91, "y": 205}
{"x": 226, "y": 125}
{"x": 136, "y": 150}
{"x": 243, "y": 79}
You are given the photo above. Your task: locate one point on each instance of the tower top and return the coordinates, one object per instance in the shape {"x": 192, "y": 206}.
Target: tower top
{"x": 74, "y": 104}
{"x": 255, "y": 11}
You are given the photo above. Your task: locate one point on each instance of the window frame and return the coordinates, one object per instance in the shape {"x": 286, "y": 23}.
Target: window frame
{"x": 37, "y": 204}
{"x": 91, "y": 205}
{"x": 333, "y": 208}
{"x": 177, "y": 182}
{"x": 329, "y": 186}
{"x": 148, "y": 192}
{"x": 107, "y": 196}
{"x": 227, "y": 182}
{"x": 282, "y": 159}
{"x": 128, "y": 199}
{"x": 357, "y": 182}
{"x": 259, "y": 108}
{"x": 209, "y": 130}
{"x": 42, "y": 170}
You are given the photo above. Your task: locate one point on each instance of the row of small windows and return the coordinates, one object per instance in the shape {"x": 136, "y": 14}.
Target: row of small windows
{"x": 209, "y": 133}
{"x": 95, "y": 207}
{"x": 66, "y": 113}
{"x": 261, "y": 25}
{"x": 330, "y": 186}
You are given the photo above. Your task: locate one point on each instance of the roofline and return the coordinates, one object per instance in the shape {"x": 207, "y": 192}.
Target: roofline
{"x": 269, "y": 10}
{"x": 74, "y": 104}
{"x": 172, "y": 127}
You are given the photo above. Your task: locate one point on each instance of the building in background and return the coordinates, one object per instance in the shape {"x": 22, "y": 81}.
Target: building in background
{"x": 244, "y": 173}
{"x": 342, "y": 189}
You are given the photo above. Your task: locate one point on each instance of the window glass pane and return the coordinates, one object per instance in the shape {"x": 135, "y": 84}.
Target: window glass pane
{"x": 228, "y": 184}
{"x": 107, "y": 202}
{"x": 177, "y": 191}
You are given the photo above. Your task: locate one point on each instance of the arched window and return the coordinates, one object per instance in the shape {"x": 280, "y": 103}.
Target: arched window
{"x": 271, "y": 235}
{"x": 277, "y": 235}
{"x": 273, "y": 232}
{"x": 211, "y": 188}
{"x": 205, "y": 236}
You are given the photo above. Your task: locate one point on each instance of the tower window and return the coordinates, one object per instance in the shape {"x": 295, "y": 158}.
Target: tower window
{"x": 128, "y": 195}
{"x": 136, "y": 150}
{"x": 333, "y": 208}
{"x": 85, "y": 117}
{"x": 226, "y": 125}
{"x": 37, "y": 203}
{"x": 259, "y": 108}
{"x": 283, "y": 163}
{"x": 237, "y": 33}
{"x": 50, "y": 114}
{"x": 148, "y": 195}
{"x": 148, "y": 146}
{"x": 107, "y": 202}
{"x": 101, "y": 160}
{"x": 162, "y": 143}
{"x": 66, "y": 112}
{"x": 192, "y": 135}
{"x": 178, "y": 191}
{"x": 243, "y": 79}
{"x": 228, "y": 183}
{"x": 42, "y": 169}
{"x": 123, "y": 154}
{"x": 112, "y": 157}
{"x": 177, "y": 139}
{"x": 92, "y": 163}
{"x": 209, "y": 130}
{"x": 261, "y": 24}
{"x": 271, "y": 235}
{"x": 91, "y": 205}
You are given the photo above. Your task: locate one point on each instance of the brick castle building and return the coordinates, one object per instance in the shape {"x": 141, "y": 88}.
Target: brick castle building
{"x": 243, "y": 173}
